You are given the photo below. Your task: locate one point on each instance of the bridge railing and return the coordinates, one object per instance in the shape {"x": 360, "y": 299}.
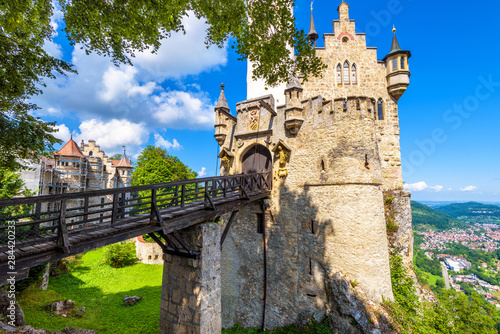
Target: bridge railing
{"x": 56, "y": 217}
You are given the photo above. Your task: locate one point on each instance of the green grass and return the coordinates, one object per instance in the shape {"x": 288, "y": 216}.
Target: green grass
{"x": 100, "y": 289}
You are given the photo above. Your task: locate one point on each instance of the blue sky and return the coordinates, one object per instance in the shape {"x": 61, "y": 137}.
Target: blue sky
{"x": 449, "y": 116}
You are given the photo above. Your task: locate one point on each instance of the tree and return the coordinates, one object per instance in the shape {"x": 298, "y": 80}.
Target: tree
{"x": 12, "y": 185}
{"x": 117, "y": 156}
{"x": 154, "y": 165}
{"x": 262, "y": 31}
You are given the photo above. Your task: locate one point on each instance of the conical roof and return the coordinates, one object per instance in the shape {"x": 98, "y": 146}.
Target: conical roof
{"x": 293, "y": 82}
{"x": 312, "y": 35}
{"x": 124, "y": 162}
{"x": 222, "y": 103}
{"x": 395, "y": 44}
{"x": 70, "y": 149}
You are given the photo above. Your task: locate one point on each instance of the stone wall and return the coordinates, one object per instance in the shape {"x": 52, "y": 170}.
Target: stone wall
{"x": 148, "y": 252}
{"x": 191, "y": 289}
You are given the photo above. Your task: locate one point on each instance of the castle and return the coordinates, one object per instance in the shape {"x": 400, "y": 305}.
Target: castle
{"x": 333, "y": 149}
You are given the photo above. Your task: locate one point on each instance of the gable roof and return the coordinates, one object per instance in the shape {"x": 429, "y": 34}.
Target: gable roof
{"x": 70, "y": 149}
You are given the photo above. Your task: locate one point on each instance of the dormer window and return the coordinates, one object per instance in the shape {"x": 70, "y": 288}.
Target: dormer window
{"x": 339, "y": 74}
{"x": 346, "y": 72}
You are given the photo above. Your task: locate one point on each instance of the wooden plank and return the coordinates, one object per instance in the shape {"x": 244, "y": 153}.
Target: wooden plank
{"x": 228, "y": 226}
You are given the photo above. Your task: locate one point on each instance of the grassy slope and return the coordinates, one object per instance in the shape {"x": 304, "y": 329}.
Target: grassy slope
{"x": 425, "y": 217}
{"x": 467, "y": 209}
{"x": 100, "y": 289}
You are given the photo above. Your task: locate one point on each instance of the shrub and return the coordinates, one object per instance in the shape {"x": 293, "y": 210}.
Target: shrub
{"x": 120, "y": 255}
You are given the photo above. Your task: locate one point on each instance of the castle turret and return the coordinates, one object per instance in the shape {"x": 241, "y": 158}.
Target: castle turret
{"x": 223, "y": 119}
{"x": 293, "y": 111}
{"x": 398, "y": 72}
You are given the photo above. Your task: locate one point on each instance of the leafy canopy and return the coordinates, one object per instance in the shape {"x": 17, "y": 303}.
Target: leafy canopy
{"x": 263, "y": 31}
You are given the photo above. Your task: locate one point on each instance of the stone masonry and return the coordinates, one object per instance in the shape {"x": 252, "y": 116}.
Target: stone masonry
{"x": 333, "y": 149}
{"x": 191, "y": 290}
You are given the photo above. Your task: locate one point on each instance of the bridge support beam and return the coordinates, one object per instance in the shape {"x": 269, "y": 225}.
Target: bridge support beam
{"x": 191, "y": 291}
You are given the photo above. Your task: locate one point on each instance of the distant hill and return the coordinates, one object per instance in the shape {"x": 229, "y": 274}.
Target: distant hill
{"x": 425, "y": 217}
{"x": 470, "y": 209}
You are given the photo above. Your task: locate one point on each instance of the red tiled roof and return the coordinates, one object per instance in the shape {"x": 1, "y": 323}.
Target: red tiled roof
{"x": 123, "y": 162}
{"x": 70, "y": 149}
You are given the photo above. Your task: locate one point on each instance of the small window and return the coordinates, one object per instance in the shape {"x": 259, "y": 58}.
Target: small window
{"x": 339, "y": 74}
{"x": 358, "y": 104}
{"x": 322, "y": 165}
{"x": 344, "y": 105}
{"x": 353, "y": 74}
{"x": 380, "y": 110}
{"x": 260, "y": 223}
{"x": 345, "y": 39}
{"x": 346, "y": 72}
{"x": 394, "y": 64}
{"x": 104, "y": 167}
{"x": 313, "y": 227}
{"x": 91, "y": 153}
{"x": 402, "y": 63}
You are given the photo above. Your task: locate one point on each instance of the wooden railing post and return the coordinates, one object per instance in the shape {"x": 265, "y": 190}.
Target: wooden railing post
{"x": 153, "y": 202}
{"x": 62, "y": 229}
{"x": 85, "y": 210}
{"x": 114, "y": 213}
{"x": 36, "y": 227}
{"x": 183, "y": 195}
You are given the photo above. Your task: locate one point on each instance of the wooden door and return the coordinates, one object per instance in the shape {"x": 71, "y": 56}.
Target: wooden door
{"x": 257, "y": 159}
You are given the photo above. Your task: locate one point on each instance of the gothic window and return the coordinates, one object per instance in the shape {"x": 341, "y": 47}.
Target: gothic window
{"x": 394, "y": 64}
{"x": 353, "y": 74}
{"x": 402, "y": 63}
{"x": 339, "y": 74}
{"x": 346, "y": 72}
{"x": 380, "y": 110}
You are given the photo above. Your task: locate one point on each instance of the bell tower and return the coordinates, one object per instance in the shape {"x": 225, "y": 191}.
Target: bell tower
{"x": 397, "y": 68}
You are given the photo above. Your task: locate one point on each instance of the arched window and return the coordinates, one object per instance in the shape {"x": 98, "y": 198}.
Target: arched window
{"x": 380, "y": 110}
{"x": 339, "y": 74}
{"x": 402, "y": 63}
{"x": 91, "y": 153}
{"x": 394, "y": 63}
{"x": 346, "y": 72}
{"x": 353, "y": 74}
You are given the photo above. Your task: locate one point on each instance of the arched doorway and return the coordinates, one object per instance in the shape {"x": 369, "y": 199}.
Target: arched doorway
{"x": 257, "y": 159}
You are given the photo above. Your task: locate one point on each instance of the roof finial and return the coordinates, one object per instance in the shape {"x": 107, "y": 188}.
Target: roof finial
{"x": 393, "y": 28}
{"x": 222, "y": 103}
{"x": 312, "y": 5}
{"x": 71, "y": 137}
{"x": 124, "y": 150}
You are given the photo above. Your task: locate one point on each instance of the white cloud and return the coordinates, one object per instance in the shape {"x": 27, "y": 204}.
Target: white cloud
{"x": 103, "y": 91}
{"x": 111, "y": 135}
{"x": 162, "y": 142}
{"x": 63, "y": 132}
{"x": 469, "y": 188}
{"x": 420, "y": 186}
{"x": 202, "y": 172}
{"x": 182, "y": 110}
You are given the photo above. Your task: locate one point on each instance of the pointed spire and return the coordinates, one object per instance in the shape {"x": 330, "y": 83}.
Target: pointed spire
{"x": 312, "y": 36}
{"x": 395, "y": 44}
{"x": 222, "y": 103}
{"x": 293, "y": 82}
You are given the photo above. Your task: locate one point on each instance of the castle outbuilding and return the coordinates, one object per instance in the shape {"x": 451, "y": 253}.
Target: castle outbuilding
{"x": 333, "y": 149}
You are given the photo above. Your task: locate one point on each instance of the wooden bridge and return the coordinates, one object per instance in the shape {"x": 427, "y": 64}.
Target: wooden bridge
{"x": 41, "y": 229}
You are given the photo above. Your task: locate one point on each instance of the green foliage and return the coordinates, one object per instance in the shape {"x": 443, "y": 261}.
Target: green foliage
{"x": 154, "y": 165}
{"x": 120, "y": 255}
{"x": 116, "y": 156}
{"x": 470, "y": 209}
{"x": 311, "y": 328}
{"x": 425, "y": 217}
{"x": 100, "y": 288}
{"x": 24, "y": 64}
{"x": 424, "y": 263}
{"x": 34, "y": 277}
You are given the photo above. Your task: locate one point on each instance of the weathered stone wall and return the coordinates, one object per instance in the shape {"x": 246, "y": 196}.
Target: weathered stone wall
{"x": 148, "y": 252}
{"x": 191, "y": 289}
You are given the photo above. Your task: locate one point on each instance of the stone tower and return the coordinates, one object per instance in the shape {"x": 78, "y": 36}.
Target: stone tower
{"x": 333, "y": 148}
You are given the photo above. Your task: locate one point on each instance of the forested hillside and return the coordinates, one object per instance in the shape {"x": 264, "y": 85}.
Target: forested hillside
{"x": 470, "y": 209}
{"x": 425, "y": 217}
